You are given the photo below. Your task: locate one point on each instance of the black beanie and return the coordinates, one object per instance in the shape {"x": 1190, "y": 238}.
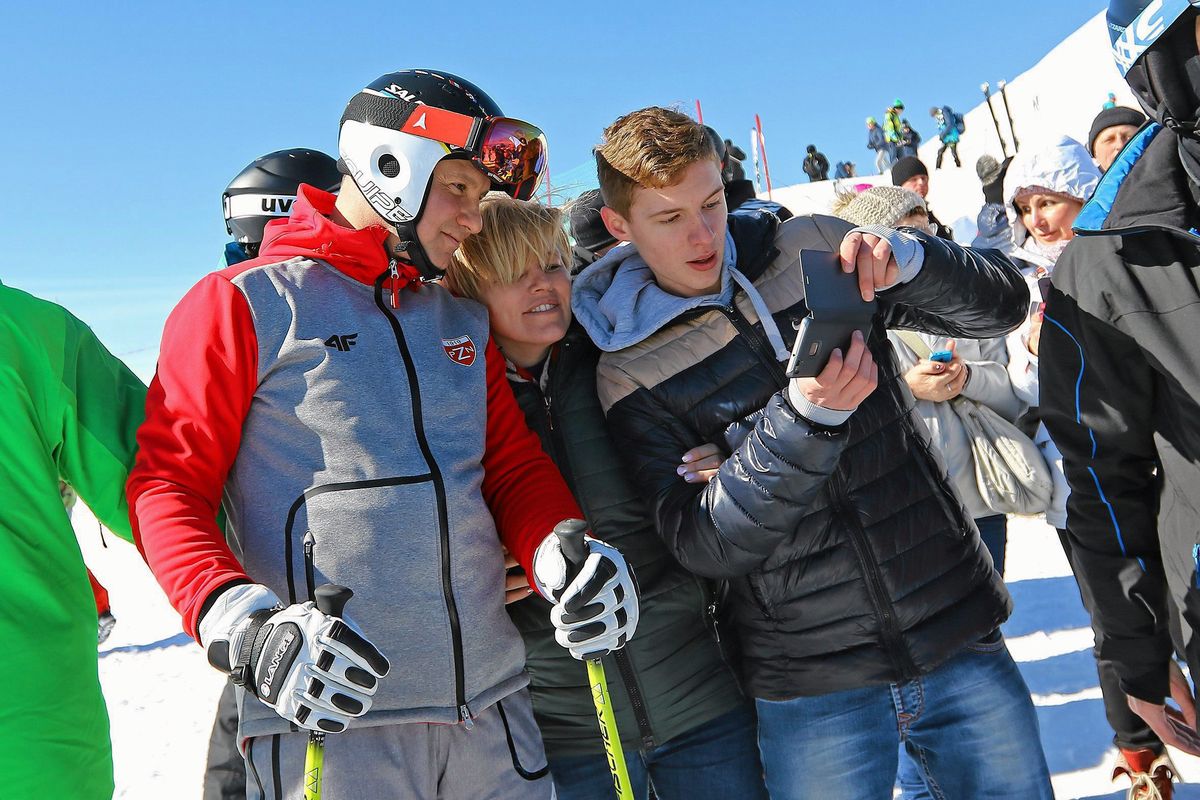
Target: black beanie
{"x": 587, "y": 228}
{"x": 1117, "y": 115}
{"x": 907, "y": 167}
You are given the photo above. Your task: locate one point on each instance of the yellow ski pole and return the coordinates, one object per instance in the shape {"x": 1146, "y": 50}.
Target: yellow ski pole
{"x": 331, "y": 600}
{"x": 570, "y": 533}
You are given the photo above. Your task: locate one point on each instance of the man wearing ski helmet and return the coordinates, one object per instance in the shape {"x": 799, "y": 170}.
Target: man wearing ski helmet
{"x": 1120, "y": 380}
{"x": 265, "y": 190}
{"x": 357, "y": 423}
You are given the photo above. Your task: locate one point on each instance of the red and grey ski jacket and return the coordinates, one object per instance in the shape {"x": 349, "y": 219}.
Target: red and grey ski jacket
{"x": 350, "y": 441}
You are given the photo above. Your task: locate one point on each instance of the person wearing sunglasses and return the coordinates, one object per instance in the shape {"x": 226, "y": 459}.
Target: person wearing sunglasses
{"x": 353, "y": 420}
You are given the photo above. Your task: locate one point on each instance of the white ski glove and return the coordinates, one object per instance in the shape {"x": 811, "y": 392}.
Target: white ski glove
{"x": 596, "y": 607}
{"x": 315, "y": 670}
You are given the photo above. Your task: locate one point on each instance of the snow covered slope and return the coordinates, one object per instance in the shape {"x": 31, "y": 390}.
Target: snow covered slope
{"x": 1061, "y": 94}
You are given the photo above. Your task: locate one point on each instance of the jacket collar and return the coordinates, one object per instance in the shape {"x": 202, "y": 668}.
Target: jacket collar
{"x": 310, "y": 233}
{"x": 1124, "y": 203}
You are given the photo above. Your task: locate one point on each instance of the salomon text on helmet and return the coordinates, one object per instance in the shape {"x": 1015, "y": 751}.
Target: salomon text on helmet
{"x": 266, "y": 189}
{"x": 395, "y": 131}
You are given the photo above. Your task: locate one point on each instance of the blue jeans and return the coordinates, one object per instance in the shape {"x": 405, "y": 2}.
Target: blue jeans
{"x": 994, "y": 532}
{"x": 717, "y": 760}
{"x": 969, "y": 725}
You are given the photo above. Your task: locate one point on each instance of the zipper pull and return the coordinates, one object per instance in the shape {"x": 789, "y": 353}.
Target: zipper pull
{"x": 395, "y": 283}
{"x": 549, "y": 416}
{"x": 310, "y": 543}
{"x": 712, "y": 618}
{"x": 465, "y": 713}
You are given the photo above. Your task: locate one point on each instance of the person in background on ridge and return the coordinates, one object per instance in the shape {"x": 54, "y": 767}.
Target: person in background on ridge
{"x": 910, "y": 140}
{"x": 991, "y": 224}
{"x": 1120, "y": 386}
{"x": 912, "y": 174}
{"x": 739, "y": 193}
{"x": 877, "y": 142}
{"x": 891, "y": 128}
{"x": 816, "y": 165}
{"x": 263, "y": 191}
{"x": 1111, "y": 129}
{"x": 950, "y": 128}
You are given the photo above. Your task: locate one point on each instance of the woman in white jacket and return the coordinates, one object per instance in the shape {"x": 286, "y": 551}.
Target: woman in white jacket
{"x": 1044, "y": 191}
{"x": 977, "y": 370}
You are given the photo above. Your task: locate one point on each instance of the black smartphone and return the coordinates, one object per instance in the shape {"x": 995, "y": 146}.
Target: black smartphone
{"x": 835, "y": 311}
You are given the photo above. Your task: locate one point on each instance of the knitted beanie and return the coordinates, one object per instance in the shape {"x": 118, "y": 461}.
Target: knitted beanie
{"x": 879, "y": 205}
{"x": 907, "y": 167}
{"x": 1109, "y": 117}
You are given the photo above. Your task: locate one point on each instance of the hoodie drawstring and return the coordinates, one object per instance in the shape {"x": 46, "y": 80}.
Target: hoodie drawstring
{"x": 764, "y": 314}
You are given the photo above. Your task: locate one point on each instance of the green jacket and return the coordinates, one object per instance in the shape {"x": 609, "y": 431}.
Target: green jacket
{"x": 891, "y": 125}
{"x": 674, "y": 662}
{"x": 67, "y": 408}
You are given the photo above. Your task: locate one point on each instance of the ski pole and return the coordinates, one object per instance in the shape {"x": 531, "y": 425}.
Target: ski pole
{"x": 331, "y": 600}
{"x": 987, "y": 98}
{"x": 1008, "y": 112}
{"x": 570, "y": 534}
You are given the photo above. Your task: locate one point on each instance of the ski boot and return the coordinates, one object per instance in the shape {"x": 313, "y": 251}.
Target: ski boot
{"x": 1150, "y": 774}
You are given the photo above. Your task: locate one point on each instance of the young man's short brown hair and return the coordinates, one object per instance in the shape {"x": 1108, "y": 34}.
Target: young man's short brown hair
{"x": 650, "y": 147}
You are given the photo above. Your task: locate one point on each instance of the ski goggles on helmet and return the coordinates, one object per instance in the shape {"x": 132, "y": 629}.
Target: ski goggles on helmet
{"x": 511, "y": 152}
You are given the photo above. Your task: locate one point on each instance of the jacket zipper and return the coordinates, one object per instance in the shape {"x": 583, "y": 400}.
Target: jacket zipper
{"x": 893, "y": 639}
{"x": 310, "y": 545}
{"x": 637, "y": 702}
{"x": 439, "y": 487}
{"x": 758, "y": 345}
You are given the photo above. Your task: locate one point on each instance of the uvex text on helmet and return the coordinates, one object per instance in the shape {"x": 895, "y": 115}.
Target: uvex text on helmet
{"x": 267, "y": 187}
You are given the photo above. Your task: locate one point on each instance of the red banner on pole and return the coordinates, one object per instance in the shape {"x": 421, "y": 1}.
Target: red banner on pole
{"x": 699, "y": 113}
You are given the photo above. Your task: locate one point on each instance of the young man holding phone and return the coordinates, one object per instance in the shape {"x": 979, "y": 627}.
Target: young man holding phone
{"x": 865, "y": 605}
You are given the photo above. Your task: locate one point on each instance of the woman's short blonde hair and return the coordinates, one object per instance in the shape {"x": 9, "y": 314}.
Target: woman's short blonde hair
{"x": 514, "y": 231}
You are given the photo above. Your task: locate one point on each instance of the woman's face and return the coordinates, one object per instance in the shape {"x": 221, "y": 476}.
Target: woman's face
{"x": 1048, "y": 218}
{"x": 532, "y": 314}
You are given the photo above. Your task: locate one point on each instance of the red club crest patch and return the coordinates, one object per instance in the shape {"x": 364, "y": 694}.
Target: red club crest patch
{"x": 460, "y": 350}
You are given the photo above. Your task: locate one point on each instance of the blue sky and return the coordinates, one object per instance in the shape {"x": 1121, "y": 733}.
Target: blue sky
{"x": 124, "y": 123}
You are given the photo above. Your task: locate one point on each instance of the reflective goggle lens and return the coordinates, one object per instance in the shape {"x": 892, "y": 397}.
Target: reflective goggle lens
{"x": 514, "y": 155}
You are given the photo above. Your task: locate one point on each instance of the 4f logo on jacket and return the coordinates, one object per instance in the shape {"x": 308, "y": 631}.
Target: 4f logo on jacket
{"x": 460, "y": 350}
{"x": 343, "y": 342}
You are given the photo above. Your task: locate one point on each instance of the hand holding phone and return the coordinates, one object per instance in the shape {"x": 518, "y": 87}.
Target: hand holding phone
{"x": 835, "y": 311}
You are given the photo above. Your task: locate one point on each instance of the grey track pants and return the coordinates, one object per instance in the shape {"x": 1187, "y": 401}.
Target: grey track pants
{"x": 500, "y": 758}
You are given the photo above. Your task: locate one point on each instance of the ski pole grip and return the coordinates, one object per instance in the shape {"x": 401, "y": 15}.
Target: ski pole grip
{"x": 570, "y": 535}
{"x": 331, "y": 599}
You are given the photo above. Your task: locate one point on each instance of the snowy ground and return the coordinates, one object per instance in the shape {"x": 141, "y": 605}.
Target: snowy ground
{"x": 161, "y": 693}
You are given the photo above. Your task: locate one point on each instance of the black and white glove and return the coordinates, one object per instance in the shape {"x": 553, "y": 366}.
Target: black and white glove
{"x": 596, "y": 601}
{"x": 315, "y": 670}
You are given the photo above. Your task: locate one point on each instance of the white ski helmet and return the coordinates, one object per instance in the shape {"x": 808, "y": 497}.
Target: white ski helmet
{"x": 395, "y": 131}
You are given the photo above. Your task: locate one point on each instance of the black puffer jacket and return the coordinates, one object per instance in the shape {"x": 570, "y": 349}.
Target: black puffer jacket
{"x": 673, "y": 677}
{"x": 851, "y": 561}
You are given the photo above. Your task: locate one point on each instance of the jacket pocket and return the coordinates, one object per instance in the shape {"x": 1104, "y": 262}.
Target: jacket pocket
{"x": 383, "y": 538}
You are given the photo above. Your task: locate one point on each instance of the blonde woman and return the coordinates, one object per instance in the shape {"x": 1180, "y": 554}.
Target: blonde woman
{"x": 686, "y": 728}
